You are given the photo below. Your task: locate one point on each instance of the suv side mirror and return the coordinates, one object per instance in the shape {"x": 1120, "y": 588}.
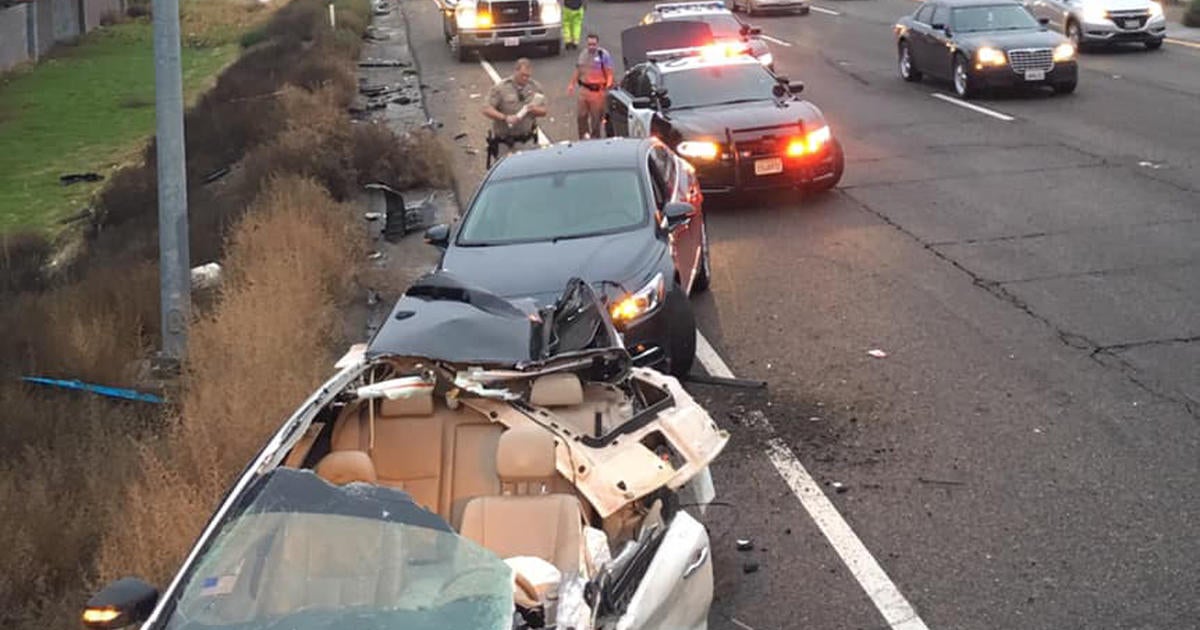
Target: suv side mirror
{"x": 795, "y": 87}
{"x": 438, "y": 235}
{"x": 678, "y": 213}
{"x": 123, "y": 603}
{"x": 940, "y": 27}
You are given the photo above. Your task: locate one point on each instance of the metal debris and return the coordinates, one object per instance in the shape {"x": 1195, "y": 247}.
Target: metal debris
{"x": 839, "y": 487}
{"x": 373, "y": 216}
{"x": 877, "y": 353}
{"x": 745, "y": 544}
{"x": 750, "y": 567}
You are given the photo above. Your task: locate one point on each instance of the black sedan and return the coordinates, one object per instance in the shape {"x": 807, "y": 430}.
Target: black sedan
{"x": 979, "y": 44}
{"x": 625, "y": 215}
{"x": 742, "y": 127}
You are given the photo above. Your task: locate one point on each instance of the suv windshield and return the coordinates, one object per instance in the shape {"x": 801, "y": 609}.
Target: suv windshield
{"x": 1004, "y": 17}
{"x": 550, "y": 206}
{"x": 718, "y": 85}
{"x": 307, "y": 555}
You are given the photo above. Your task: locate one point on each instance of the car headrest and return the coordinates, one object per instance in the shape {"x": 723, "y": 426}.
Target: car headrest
{"x": 418, "y": 404}
{"x": 561, "y": 389}
{"x": 525, "y": 454}
{"x": 343, "y": 467}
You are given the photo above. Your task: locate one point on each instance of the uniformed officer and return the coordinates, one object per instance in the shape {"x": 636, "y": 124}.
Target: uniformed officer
{"x": 594, "y": 76}
{"x": 514, "y": 105}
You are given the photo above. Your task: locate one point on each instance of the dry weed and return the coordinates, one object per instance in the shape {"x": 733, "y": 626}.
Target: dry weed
{"x": 265, "y": 347}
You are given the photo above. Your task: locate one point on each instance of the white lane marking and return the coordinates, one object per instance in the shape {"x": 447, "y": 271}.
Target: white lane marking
{"x": 543, "y": 140}
{"x": 1180, "y": 42}
{"x": 824, "y": 10}
{"x": 973, "y": 107}
{"x": 891, "y": 603}
{"x": 739, "y": 624}
{"x": 895, "y": 609}
{"x": 776, "y": 41}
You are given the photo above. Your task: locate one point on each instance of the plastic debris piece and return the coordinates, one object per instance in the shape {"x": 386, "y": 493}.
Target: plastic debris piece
{"x": 373, "y": 216}
{"x": 814, "y": 419}
{"x": 75, "y": 178}
{"x": 460, "y": 136}
{"x": 744, "y": 544}
{"x": 750, "y": 567}
{"x": 840, "y": 487}
{"x": 103, "y": 390}
{"x": 877, "y": 353}
{"x": 375, "y": 255}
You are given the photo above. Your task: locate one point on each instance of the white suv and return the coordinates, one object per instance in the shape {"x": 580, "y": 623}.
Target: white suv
{"x": 1104, "y": 21}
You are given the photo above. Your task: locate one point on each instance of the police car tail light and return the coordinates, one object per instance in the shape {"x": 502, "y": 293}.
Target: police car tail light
{"x": 698, "y": 150}
{"x": 551, "y": 13}
{"x": 810, "y": 143}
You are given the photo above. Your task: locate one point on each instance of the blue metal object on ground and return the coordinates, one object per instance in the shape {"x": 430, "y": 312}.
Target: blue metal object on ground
{"x": 111, "y": 392}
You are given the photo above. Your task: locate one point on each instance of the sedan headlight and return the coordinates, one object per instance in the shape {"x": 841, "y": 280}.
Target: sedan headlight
{"x": 1155, "y": 9}
{"x": 551, "y": 12}
{"x": 1064, "y": 52}
{"x": 1094, "y": 13}
{"x": 766, "y": 59}
{"x": 641, "y": 303}
{"x": 698, "y": 150}
{"x": 988, "y": 56}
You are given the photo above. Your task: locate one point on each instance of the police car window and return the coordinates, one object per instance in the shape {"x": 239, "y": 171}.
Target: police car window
{"x": 718, "y": 85}
{"x": 568, "y": 204}
{"x": 924, "y": 13}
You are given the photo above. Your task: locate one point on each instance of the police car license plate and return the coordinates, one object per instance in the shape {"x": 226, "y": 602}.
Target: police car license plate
{"x": 512, "y": 41}
{"x": 769, "y": 166}
{"x": 1035, "y": 75}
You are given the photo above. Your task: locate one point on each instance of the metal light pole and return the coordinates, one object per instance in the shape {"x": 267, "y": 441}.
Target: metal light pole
{"x": 174, "y": 260}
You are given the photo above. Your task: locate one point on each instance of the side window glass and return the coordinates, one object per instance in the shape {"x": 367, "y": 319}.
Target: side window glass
{"x": 666, "y": 166}
{"x": 941, "y": 15}
{"x": 629, "y": 82}
{"x": 644, "y": 84}
{"x": 659, "y": 184}
{"x": 924, "y": 13}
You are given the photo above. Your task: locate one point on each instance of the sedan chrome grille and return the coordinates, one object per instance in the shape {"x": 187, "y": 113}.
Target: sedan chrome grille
{"x": 1031, "y": 59}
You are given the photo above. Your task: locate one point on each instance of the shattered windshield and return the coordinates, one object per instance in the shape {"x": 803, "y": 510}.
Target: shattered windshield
{"x": 306, "y": 555}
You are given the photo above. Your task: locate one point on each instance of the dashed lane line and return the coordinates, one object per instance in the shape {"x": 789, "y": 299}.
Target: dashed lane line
{"x": 973, "y": 107}
{"x": 543, "y": 140}
{"x": 775, "y": 40}
{"x": 891, "y": 603}
{"x": 824, "y": 10}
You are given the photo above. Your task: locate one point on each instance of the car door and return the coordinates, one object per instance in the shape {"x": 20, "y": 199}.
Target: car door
{"x": 939, "y": 51}
{"x": 642, "y": 107}
{"x": 918, "y": 36}
{"x": 676, "y": 591}
{"x": 618, "y": 103}
{"x": 684, "y": 240}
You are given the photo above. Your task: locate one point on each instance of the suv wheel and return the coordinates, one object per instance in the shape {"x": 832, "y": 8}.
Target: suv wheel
{"x": 1074, "y": 34}
{"x": 908, "y": 71}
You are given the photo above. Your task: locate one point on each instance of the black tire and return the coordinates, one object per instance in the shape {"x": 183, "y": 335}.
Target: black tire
{"x": 681, "y": 326}
{"x": 908, "y": 71}
{"x": 1064, "y": 88}
{"x": 1154, "y": 44}
{"x": 1074, "y": 34}
{"x": 964, "y": 89}
{"x": 839, "y": 168}
{"x": 704, "y": 274}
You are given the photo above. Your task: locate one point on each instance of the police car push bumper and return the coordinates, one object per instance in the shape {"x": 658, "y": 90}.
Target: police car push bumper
{"x": 788, "y": 158}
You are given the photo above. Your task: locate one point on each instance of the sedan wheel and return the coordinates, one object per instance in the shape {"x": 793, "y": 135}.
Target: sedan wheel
{"x": 962, "y": 79}
{"x": 907, "y": 71}
{"x": 704, "y": 273}
{"x": 681, "y": 325}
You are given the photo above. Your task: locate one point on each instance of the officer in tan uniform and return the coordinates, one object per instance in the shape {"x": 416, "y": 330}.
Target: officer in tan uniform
{"x": 514, "y": 105}
{"x": 594, "y": 76}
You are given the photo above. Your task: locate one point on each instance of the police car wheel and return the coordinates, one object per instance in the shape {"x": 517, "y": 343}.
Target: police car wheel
{"x": 681, "y": 331}
{"x": 839, "y": 167}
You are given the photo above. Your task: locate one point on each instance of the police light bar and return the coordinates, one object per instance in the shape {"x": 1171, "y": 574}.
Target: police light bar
{"x": 691, "y": 6}
{"x": 721, "y": 50}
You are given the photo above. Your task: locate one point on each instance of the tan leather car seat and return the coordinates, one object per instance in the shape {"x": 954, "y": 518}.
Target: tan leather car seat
{"x": 562, "y": 389}
{"x": 343, "y": 467}
{"x": 524, "y": 522}
{"x": 406, "y": 446}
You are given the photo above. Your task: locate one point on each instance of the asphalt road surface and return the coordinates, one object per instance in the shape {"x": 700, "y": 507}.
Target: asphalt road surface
{"x": 1026, "y": 455}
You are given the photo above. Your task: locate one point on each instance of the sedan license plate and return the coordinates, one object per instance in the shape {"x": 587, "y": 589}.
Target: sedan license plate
{"x": 1035, "y": 75}
{"x": 1132, "y": 24}
{"x": 769, "y": 166}
{"x": 512, "y": 41}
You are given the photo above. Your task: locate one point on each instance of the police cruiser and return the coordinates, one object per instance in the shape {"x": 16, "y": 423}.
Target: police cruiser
{"x": 740, "y": 126}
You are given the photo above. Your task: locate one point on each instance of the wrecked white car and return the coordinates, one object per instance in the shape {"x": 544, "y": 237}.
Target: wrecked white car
{"x": 478, "y": 465}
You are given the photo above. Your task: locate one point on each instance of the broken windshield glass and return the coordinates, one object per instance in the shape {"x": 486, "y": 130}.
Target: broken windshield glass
{"x": 303, "y": 554}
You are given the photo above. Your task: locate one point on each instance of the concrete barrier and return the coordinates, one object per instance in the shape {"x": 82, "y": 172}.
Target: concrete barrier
{"x": 30, "y": 28}
{"x": 14, "y": 40}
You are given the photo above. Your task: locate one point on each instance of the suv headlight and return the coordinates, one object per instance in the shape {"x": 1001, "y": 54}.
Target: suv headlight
{"x": 1094, "y": 12}
{"x": 641, "y": 303}
{"x": 551, "y": 12}
{"x": 1155, "y": 9}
